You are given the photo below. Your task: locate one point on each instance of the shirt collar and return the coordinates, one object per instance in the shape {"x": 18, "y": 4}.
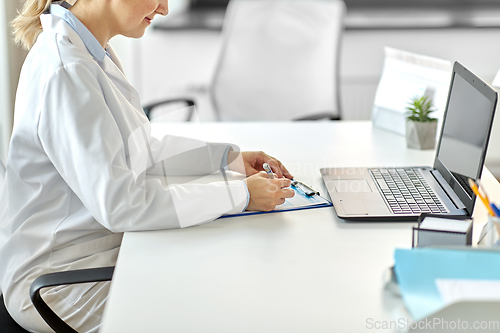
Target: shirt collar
{"x": 91, "y": 43}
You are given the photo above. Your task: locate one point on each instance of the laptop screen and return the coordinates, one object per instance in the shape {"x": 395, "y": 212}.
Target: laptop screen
{"x": 465, "y": 132}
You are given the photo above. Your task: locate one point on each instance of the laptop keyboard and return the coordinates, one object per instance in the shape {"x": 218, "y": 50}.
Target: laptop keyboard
{"x": 407, "y": 191}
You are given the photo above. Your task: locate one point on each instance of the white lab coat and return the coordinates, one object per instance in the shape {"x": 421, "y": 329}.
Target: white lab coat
{"x": 70, "y": 188}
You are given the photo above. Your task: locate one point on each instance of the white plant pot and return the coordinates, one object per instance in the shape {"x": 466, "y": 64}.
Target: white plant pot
{"x": 421, "y": 135}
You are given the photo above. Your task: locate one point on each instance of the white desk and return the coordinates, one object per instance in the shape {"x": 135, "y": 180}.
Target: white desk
{"x": 303, "y": 271}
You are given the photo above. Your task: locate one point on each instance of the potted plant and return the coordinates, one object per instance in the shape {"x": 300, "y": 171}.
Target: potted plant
{"x": 420, "y": 127}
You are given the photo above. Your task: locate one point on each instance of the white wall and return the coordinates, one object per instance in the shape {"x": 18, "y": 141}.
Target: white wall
{"x": 362, "y": 60}
{"x": 5, "y": 102}
{"x": 11, "y": 59}
{"x": 163, "y": 61}
{"x": 129, "y": 49}
{"x": 179, "y": 62}
{"x": 363, "y": 53}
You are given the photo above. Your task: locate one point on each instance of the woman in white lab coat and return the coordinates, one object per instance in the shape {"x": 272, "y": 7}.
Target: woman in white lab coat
{"x": 79, "y": 153}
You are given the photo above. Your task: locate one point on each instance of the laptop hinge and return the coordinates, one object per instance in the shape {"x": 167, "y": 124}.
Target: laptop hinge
{"x": 448, "y": 190}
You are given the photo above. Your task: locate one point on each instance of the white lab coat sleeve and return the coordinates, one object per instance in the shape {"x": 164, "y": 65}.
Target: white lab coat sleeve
{"x": 79, "y": 134}
{"x": 180, "y": 156}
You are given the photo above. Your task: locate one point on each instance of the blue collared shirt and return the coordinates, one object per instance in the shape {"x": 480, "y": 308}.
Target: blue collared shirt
{"x": 91, "y": 43}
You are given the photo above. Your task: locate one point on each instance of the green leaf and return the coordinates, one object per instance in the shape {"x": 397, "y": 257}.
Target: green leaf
{"x": 419, "y": 108}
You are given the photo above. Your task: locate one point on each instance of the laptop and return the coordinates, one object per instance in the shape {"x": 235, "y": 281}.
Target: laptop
{"x": 403, "y": 193}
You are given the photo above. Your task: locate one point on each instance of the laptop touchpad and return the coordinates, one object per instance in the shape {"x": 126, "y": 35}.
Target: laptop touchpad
{"x": 351, "y": 185}
{"x": 354, "y": 207}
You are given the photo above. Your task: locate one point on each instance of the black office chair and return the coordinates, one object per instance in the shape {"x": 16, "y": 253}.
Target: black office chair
{"x": 8, "y": 325}
{"x": 148, "y": 109}
{"x": 64, "y": 278}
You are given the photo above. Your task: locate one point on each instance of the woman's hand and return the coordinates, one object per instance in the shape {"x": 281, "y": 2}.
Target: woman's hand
{"x": 253, "y": 161}
{"x": 265, "y": 193}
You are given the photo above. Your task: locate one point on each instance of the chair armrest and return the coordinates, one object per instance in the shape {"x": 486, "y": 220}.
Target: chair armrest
{"x": 64, "y": 278}
{"x": 318, "y": 116}
{"x": 189, "y": 102}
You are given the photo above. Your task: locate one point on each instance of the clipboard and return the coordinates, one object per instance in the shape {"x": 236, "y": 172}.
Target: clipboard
{"x": 299, "y": 202}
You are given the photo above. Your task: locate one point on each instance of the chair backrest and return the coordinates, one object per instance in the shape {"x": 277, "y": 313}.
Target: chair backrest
{"x": 279, "y": 59}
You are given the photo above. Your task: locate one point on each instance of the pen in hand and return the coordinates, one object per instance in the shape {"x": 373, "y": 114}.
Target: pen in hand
{"x": 309, "y": 191}
{"x": 268, "y": 170}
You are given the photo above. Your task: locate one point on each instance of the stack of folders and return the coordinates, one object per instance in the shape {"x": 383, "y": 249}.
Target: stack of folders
{"x": 432, "y": 280}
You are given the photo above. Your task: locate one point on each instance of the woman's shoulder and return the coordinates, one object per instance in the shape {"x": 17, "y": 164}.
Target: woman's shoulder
{"x": 53, "y": 52}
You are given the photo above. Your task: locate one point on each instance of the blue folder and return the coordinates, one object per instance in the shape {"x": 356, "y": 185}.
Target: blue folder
{"x": 313, "y": 201}
{"x": 417, "y": 270}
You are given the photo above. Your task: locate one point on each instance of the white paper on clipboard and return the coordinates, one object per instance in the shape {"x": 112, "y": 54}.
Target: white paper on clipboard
{"x": 404, "y": 76}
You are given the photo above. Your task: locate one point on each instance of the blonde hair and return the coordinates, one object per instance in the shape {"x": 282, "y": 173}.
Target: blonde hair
{"x": 27, "y": 26}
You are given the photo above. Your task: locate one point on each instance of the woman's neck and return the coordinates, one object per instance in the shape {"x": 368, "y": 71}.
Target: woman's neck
{"x": 92, "y": 15}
